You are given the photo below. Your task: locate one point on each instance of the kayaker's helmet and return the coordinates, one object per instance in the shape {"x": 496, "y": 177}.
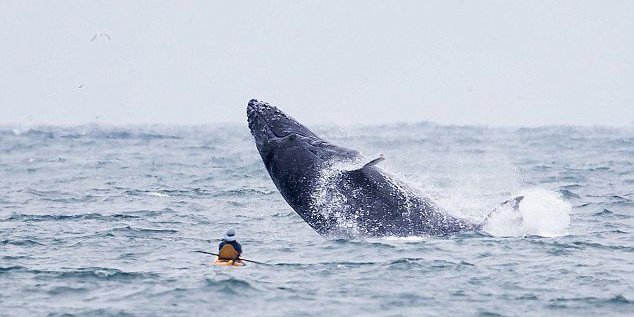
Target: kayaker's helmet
{"x": 230, "y": 235}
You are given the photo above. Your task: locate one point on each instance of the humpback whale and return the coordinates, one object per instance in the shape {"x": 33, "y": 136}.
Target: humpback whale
{"x": 338, "y": 191}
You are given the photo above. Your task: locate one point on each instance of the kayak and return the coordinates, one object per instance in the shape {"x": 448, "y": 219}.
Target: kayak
{"x": 220, "y": 262}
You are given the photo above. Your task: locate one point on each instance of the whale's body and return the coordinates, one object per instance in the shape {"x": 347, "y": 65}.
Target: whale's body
{"x": 335, "y": 189}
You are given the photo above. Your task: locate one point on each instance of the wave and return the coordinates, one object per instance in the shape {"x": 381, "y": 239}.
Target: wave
{"x": 93, "y": 312}
{"x": 10, "y": 269}
{"x": 65, "y": 290}
{"x": 580, "y": 245}
{"x": 88, "y": 132}
{"x": 20, "y": 242}
{"x": 88, "y": 216}
{"x": 606, "y": 213}
{"x": 61, "y": 197}
{"x": 618, "y": 300}
{"x": 568, "y": 194}
{"x": 243, "y": 192}
{"x": 136, "y": 214}
{"x": 157, "y": 194}
{"x": 408, "y": 263}
{"x": 200, "y": 192}
{"x": 232, "y": 286}
{"x": 94, "y": 273}
{"x": 339, "y": 264}
{"x": 100, "y": 273}
{"x": 142, "y": 231}
{"x": 585, "y": 244}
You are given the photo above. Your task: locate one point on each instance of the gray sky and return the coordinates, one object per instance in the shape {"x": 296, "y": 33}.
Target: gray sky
{"x": 520, "y": 63}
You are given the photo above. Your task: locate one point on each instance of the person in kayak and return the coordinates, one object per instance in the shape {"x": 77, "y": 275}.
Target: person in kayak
{"x": 229, "y": 249}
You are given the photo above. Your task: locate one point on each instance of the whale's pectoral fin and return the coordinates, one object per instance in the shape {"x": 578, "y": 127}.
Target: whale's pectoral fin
{"x": 375, "y": 161}
{"x": 512, "y": 204}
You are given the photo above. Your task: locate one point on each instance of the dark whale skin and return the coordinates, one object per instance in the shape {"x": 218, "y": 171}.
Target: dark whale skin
{"x": 359, "y": 201}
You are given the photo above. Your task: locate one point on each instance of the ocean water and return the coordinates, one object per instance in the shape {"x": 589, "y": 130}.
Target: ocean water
{"x": 104, "y": 221}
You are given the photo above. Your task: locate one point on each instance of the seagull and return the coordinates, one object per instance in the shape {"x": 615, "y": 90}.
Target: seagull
{"x": 100, "y": 35}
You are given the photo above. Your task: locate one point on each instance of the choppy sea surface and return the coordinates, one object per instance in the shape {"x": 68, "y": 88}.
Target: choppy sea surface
{"x": 104, "y": 221}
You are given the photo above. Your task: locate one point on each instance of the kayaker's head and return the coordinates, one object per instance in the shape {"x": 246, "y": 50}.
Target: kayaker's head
{"x": 230, "y": 235}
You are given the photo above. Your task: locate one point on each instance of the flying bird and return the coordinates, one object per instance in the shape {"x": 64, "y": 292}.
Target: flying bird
{"x": 100, "y": 35}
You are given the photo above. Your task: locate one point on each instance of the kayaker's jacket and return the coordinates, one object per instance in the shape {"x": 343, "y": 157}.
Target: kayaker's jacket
{"x": 229, "y": 250}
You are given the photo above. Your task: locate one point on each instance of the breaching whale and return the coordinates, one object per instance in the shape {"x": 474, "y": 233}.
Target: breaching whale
{"x": 338, "y": 191}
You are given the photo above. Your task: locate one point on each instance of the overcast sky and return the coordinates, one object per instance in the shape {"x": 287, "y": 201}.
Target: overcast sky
{"x": 519, "y": 63}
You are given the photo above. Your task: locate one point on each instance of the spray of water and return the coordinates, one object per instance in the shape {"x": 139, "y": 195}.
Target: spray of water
{"x": 541, "y": 213}
{"x": 329, "y": 201}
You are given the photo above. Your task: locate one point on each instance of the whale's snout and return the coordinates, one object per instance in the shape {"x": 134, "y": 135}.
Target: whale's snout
{"x": 252, "y": 107}
{"x": 265, "y": 122}
{"x": 257, "y": 124}
{"x": 260, "y": 108}
{"x": 266, "y": 119}
{"x": 268, "y": 123}
{"x": 258, "y": 113}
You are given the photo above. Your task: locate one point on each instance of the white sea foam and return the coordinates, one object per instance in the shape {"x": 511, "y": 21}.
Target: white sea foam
{"x": 156, "y": 194}
{"x": 541, "y": 213}
{"x": 400, "y": 239}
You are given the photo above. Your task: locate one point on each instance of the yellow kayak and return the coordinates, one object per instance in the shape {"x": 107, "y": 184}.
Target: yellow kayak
{"x": 220, "y": 262}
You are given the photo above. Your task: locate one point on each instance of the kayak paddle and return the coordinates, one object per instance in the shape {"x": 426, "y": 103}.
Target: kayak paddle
{"x": 205, "y": 252}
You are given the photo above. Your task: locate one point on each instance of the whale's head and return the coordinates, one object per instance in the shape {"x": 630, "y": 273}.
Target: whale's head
{"x": 281, "y": 139}
{"x": 295, "y": 158}
{"x": 270, "y": 126}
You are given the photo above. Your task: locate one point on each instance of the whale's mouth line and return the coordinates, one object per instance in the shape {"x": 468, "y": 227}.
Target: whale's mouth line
{"x": 264, "y": 128}
{"x": 254, "y": 115}
{"x": 271, "y": 132}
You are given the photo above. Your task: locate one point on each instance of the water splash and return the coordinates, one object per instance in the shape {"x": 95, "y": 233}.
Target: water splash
{"x": 330, "y": 202}
{"x": 541, "y": 213}
{"x": 333, "y": 194}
